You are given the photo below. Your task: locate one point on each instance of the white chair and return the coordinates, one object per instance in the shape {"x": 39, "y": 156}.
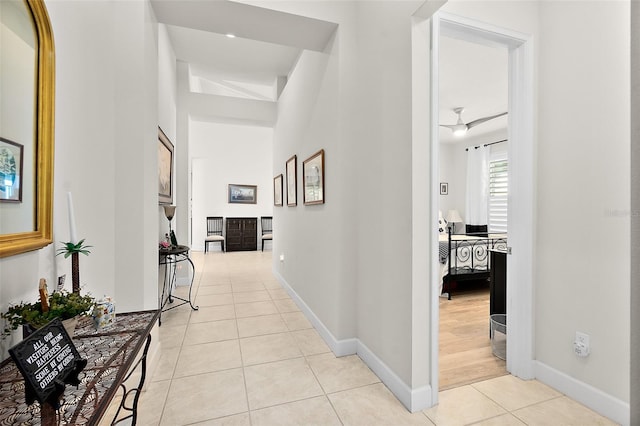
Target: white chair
{"x": 214, "y": 232}
{"x": 267, "y": 229}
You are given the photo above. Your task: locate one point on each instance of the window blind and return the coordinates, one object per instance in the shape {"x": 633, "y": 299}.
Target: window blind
{"x": 498, "y": 194}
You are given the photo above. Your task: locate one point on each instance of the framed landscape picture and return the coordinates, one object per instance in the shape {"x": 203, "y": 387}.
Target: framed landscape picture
{"x": 277, "y": 190}
{"x": 165, "y": 168}
{"x": 292, "y": 183}
{"x": 243, "y": 194}
{"x": 11, "y": 154}
{"x": 313, "y": 179}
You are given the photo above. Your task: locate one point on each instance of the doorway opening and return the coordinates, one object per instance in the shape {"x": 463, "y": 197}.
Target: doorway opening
{"x": 473, "y": 208}
{"x": 519, "y": 317}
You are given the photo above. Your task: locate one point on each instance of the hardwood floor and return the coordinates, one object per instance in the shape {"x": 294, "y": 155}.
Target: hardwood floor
{"x": 465, "y": 348}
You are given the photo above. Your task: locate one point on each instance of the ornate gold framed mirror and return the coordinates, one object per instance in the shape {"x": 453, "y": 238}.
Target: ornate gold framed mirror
{"x": 26, "y": 126}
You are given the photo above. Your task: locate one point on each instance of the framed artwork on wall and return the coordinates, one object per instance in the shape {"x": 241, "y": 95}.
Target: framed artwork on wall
{"x": 292, "y": 183}
{"x": 11, "y": 157}
{"x": 277, "y": 190}
{"x": 444, "y": 188}
{"x": 243, "y": 194}
{"x": 165, "y": 168}
{"x": 313, "y": 179}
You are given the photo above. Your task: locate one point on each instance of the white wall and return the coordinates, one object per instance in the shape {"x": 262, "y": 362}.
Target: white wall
{"x": 224, "y": 154}
{"x": 583, "y": 163}
{"x": 105, "y": 154}
{"x": 453, "y": 170}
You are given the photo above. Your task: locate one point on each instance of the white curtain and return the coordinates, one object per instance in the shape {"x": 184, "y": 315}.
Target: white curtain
{"x": 477, "y": 185}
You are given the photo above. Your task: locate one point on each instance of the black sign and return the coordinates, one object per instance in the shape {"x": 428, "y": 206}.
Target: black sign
{"x": 47, "y": 360}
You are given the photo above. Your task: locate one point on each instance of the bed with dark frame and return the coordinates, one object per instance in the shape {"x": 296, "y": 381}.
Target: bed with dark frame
{"x": 465, "y": 257}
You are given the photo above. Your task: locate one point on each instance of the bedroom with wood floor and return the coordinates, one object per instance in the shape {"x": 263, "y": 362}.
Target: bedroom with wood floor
{"x": 474, "y": 171}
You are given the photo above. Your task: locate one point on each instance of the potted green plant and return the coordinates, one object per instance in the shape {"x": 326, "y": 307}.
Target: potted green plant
{"x": 61, "y": 304}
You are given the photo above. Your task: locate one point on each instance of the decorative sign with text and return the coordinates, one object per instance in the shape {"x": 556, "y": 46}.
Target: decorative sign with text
{"x": 47, "y": 360}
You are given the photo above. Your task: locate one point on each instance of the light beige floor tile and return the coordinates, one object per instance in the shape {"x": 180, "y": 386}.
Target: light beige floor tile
{"x": 513, "y": 393}
{"x": 214, "y": 300}
{"x": 255, "y": 309}
{"x": 280, "y": 382}
{"x": 214, "y": 331}
{"x": 309, "y": 412}
{"x": 151, "y": 403}
{"x": 214, "y": 289}
{"x": 271, "y": 283}
{"x": 560, "y": 411}
{"x": 251, "y": 296}
{"x": 214, "y": 280}
{"x": 310, "y": 342}
{"x": 272, "y": 347}
{"x": 205, "y": 397}
{"x": 373, "y": 405}
{"x": 166, "y": 364}
{"x": 264, "y": 324}
{"x": 236, "y": 420}
{"x": 177, "y": 316}
{"x": 279, "y": 293}
{"x": 249, "y": 285}
{"x": 296, "y": 321}
{"x": 337, "y": 374}
{"x": 503, "y": 420}
{"x": 208, "y": 357}
{"x": 170, "y": 336}
{"x": 477, "y": 407}
{"x": 286, "y": 305}
{"x": 213, "y": 313}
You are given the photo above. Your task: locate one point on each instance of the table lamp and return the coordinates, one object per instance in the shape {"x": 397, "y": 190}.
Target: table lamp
{"x": 453, "y": 216}
{"x": 169, "y": 212}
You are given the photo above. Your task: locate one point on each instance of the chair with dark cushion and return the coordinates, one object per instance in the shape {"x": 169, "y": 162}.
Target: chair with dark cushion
{"x": 214, "y": 232}
{"x": 267, "y": 229}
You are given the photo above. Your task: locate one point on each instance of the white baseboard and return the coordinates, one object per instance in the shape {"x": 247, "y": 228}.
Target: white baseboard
{"x": 413, "y": 399}
{"x": 600, "y": 402}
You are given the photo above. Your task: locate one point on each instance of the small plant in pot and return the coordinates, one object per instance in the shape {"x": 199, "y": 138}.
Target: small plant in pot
{"x": 60, "y": 304}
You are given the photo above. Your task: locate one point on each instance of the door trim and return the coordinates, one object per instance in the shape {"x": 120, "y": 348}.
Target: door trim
{"x": 521, "y": 194}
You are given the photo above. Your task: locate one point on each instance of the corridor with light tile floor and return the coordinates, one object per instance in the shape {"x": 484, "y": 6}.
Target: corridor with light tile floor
{"x": 249, "y": 356}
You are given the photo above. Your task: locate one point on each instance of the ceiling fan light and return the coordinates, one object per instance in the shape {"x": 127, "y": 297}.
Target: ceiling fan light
{"x": 459, "y": 131}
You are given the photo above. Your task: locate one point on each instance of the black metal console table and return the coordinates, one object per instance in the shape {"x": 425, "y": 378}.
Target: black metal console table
{"x": 170, "y": 257}
{"x": 110, "y": 353}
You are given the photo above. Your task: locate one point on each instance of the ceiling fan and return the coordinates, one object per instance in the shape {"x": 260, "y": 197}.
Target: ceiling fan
{"x": 460, "y": 128}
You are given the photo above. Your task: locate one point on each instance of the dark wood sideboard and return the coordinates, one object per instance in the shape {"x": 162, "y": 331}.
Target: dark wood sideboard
{"x": 242, "y": 234}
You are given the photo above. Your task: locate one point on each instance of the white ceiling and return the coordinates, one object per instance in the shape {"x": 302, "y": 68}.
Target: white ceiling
{"x": 268, "y": 43}
{"x": 475, "y": 77}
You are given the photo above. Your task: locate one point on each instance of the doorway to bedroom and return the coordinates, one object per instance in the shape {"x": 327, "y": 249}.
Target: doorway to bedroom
{"x": 520, "y": 154}
{"x": 473, "y": 207}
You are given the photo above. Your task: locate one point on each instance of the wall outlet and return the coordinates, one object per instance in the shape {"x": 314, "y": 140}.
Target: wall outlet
{"x": 282, "y": 258}
{"x": 581, "y": 346}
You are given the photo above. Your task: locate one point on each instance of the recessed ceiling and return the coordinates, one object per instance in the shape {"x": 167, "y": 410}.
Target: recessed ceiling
{"x": 266, "y": 45}
{"x": 214, "y": 55}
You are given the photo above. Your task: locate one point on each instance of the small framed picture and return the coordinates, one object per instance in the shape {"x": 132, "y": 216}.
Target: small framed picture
{"x": 277, "y": 190}
{"x": 444, "y": 188}
{"x": 243, "y": 194}
{"x": 11, "y": 154}
{"x": 292, "y": 183}
{"x": 313, "y": 178}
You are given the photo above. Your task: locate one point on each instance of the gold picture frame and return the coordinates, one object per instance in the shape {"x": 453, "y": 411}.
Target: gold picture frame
{"x": 292, "y": 181}
{"x": 313, "y": 179}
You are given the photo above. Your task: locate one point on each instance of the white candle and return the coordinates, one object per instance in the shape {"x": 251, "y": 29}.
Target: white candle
{"x": 72, "y": 220}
